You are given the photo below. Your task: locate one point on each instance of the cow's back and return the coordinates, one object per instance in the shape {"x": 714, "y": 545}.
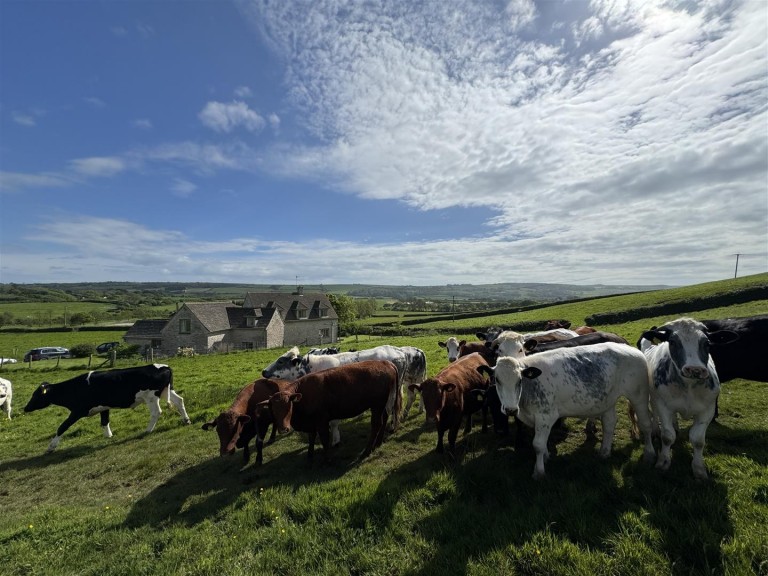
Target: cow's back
{"x": 118, "y": 388}
{"x": 586, "y": 380}
{"x": 463, "y": 373}
{"x": 345, "y": 391}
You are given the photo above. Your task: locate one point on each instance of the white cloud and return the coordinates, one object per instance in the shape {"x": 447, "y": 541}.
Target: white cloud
{"x": 98, "y": 166}
{"x": 24, "y": 119}
{"x": 143, "y": 124}
{"x": 226, "y": 117}
{"x": 95, "y": 102}
{"x": 243, "y": 92}
{"x": 183, "y": 188}
{"x": 14, "y": 181}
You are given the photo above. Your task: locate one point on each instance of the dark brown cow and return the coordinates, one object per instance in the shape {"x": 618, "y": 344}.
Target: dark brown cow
{"x": 451, "y": 395}
{"x": 533, "y": 346}
{"x": 312, "y": 401}
{"x": 237, "y": 425}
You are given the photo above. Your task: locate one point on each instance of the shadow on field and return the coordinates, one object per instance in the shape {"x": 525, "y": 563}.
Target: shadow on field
{"x": 486, "y": 503}
{"x": 752, "y": 444}
{"x": 204, "y": 490}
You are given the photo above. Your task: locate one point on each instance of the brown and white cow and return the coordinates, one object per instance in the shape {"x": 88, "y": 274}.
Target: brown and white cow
{"x": 451, "y": 395}
{"x": 457, "y": 348}
{"x": 239, "y": 424}
{"x": 312, "y": 401}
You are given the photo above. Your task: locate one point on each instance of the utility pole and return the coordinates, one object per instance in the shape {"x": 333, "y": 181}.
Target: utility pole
{"x": 737, "y": 265}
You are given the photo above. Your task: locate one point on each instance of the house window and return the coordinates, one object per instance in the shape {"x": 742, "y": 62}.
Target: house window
{"x": 302, "y": 314}
{"x": 185, "y": 326}
{"x": 323, "y": 312}
{"x": 156, "y": 343}
{"x": 250, "y": 321}
{"x": 325, "y": 332}
{"x": 247, "y": 345}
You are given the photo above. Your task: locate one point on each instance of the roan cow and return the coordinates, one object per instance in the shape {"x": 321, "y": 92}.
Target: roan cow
{"x": 6, "y": 395}
{"x": 240, "y": 423}
{"x": 98, "y": 392}
{"x": 583, "y": 382}
{"x": 685, "y": 382}
{"x": 452, "y": 395}
{"x": 311, "y": 402}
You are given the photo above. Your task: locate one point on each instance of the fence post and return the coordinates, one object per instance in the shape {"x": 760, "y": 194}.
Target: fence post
{"x": 112, "y": 357}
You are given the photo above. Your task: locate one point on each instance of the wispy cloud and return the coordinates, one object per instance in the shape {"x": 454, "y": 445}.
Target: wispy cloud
{"x": 14, "y": 181}
{"x": 25, "y": 118}
{"x": 243, "y": 92}
{"x": 95, "y": 102}
{"x": 143, "y": 124}
{"x": 98, "y": 166}
{"x": 226, "y": 117}
{"x": 183, "y": 188}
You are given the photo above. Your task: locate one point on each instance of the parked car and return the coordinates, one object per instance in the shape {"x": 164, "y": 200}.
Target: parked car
{"x": 106, "y": 347}
{"x": 47, "y": 353}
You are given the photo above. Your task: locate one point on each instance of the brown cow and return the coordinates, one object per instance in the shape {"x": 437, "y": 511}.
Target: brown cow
{"x": 451, "y": 395}
{"x": 581, "y": 330}
{"x": 237, "y": 425}
{"x": 312, "y": 401}
{"x": 458, "y": 348}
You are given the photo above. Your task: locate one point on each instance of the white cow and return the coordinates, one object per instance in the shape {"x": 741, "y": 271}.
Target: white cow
{"x": 509, "y": 343}
{"x": 583, "y": 382}
{"x": 6, "y": 395}
{"x": 685, "y": 382}
{"x": 411, "y": 366}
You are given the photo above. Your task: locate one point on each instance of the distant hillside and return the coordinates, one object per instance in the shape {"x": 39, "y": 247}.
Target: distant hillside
{"x": 166, "y": 291}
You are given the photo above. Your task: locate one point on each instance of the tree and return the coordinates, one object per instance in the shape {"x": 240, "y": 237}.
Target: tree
{"x": 344, "y": 306}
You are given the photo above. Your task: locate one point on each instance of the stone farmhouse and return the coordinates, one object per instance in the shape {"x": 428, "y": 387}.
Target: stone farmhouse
{"x": 265, "y": 320}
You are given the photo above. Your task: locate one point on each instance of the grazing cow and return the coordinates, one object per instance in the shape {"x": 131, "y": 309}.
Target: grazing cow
{"x": 98, "y": 392}
{"x": 411, "y": 366}
{"x": 238, "y": 425}
{"x": 685, "y": 382}
{"x": 458, "y": 348}
{"x": 311, "y": 402}
{"x": 321, "y": 351}
{"x": 451, "y": 395}
{"x": 533, "y": 346}
{"x": 582, "y": 382}
{"x": 6, "y": 395}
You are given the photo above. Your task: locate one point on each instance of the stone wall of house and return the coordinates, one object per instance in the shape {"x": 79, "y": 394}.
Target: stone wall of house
{"x": 236, "y": 337}
{"x": 307, "y": 332}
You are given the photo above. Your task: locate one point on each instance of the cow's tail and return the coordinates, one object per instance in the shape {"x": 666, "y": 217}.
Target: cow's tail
{"x": 395, "y": 401}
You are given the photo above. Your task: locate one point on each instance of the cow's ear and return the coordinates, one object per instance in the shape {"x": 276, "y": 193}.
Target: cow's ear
{"x": 723, "y": 337}
{"x": 530, "y": 344}
{"x": 441, "y": 344}
{"x": 262, "y": 404}
{"x": 296, "y": 361}
{"x": 531, "y": 372}
{"x": 209, "y": 425}
{"x": 414, "y": 387}
{"x": 483, "y": 369}
{"x": 655, "y": 334}
{"x": 480, "y": 335}
{"x": 462, "y": 343}
{"x": 295, "y": 397}
{"x": 243, "y": 419}
{"x": 448, "y": 387}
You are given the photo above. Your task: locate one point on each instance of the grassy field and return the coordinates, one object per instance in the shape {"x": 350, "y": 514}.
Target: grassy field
{"x": 166, "y": 503}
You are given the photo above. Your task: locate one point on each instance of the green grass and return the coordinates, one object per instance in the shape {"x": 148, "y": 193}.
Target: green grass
{"x": 165, "y": 503}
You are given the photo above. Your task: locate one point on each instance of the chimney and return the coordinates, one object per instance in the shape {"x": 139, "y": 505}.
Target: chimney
{"x": 299, "y": 291}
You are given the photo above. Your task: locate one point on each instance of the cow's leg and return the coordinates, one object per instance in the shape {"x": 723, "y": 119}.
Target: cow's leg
{"x": 153, "y": 403}
{"x": 178, "y": 402}
{"x": 105, "y": 424}
{"x": 667, "y": 420}
{"x": 640, "y": 416}
{"x": 608, "y": 420}
{"x": 311, "y": 436}
{"x": 453, "y": 432}
{"x": 411, "y": 394}
{"x": 272, "y": 435}
{"x": 63, "y": 427}
{"x": 323, "y": 430}
{"x": 540, "y": 438}
{"x": 259, "y": 448}
{"x": 468, "y": 425}
{"x": 335, "y": 434}
{"x": 378, "y": 426}
{"x": 440, "y": 432}
{"x": 697, "y": 435}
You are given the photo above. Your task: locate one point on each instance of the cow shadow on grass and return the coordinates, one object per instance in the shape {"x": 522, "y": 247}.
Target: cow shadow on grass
{"x": 490, "y": 496}
{"x": 202, "y": 491}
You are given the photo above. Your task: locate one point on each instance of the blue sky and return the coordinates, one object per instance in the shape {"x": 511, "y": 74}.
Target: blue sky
{"x": 399, "y": 142}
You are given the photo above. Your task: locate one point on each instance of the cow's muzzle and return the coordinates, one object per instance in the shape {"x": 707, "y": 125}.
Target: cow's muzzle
{"x": 697, "y": 372}
{"x": 511, "y": 411}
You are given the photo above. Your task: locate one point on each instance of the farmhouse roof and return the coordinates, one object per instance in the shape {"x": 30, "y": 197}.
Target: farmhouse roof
{"x": 146, "y": 328}
{"x": 214, "y": 316}
{"x": 288, "y": 305}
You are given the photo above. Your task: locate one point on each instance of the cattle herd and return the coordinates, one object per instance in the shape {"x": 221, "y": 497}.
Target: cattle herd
{"x": 540, "y": 378}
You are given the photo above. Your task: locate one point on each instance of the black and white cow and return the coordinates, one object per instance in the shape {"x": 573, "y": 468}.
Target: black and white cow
{"x": 685, "y": 382}
{"x": 98, "y": 392}
{"x": 744, "y": 356}
{"x": 582, "y": 382}
{"x": 6, "y": 395}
